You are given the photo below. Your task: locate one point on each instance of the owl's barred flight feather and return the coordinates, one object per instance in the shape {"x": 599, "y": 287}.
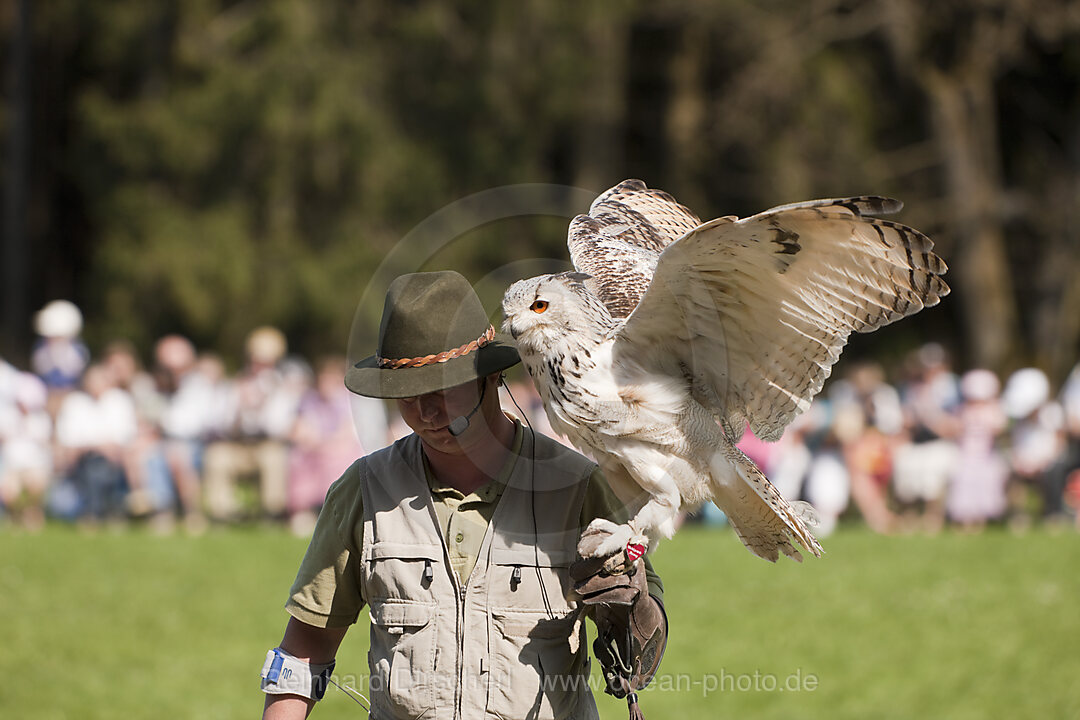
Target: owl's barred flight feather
{"x": 674, "y": 335}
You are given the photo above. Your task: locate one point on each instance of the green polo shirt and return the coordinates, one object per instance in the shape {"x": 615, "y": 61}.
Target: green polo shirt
{"x": 326, "y": 590}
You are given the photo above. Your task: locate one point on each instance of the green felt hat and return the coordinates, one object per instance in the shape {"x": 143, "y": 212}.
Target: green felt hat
{"x": 434, "y": 335}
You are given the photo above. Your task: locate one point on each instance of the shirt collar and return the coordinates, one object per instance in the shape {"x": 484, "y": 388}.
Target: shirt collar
{"x": 493, "y": 489}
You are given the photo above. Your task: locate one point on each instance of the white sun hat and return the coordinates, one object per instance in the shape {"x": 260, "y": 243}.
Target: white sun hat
{"x": 58, "y": 319}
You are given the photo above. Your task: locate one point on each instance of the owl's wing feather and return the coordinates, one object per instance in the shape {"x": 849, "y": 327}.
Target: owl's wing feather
{"x": 620, "y": 240}
{"x": 755, "y": 312}
{"x": 658, "y": 218}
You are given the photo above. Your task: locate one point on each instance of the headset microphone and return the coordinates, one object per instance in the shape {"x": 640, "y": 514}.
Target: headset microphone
{"x": 461, "y": 423}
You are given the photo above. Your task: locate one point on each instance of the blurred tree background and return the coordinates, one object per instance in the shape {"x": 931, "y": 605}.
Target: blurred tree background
{"x": 208, "y": 165}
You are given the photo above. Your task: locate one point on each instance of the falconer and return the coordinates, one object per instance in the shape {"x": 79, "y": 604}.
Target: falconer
{"x": 460, "y": 540}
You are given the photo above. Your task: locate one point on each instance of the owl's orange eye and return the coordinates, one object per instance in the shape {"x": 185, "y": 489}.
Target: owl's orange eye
{"x": 539, "y": 306}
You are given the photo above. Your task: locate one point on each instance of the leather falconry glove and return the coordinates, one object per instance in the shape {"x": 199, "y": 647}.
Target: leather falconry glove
{"x": 631, "y": 624}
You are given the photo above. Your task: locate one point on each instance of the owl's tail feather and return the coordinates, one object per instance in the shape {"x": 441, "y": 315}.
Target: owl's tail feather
{"x": 765, "y": 522}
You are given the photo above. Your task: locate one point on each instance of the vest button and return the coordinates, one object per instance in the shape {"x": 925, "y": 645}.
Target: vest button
{"x": 459, "y": 537}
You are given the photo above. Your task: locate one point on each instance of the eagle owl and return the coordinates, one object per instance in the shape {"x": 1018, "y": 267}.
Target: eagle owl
{"x": 673, "y": 335}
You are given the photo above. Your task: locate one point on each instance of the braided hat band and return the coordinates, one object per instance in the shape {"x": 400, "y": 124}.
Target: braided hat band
{"x": 396, "y": 363}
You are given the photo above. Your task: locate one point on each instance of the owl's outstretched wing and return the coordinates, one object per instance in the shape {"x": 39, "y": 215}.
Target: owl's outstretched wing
{"x": 619, "y": 241}
{"x": 756, "y": 311}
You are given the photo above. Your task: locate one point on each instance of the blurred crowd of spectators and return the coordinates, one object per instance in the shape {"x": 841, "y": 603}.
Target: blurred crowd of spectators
{"x": 933, "y": 448}
{"x": 97, "y": 440}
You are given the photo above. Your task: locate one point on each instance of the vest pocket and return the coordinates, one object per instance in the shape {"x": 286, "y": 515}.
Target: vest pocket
{"x": 403, "y": 657}
{"x": 534, "y": 671}
{"x": 529, "y": 580}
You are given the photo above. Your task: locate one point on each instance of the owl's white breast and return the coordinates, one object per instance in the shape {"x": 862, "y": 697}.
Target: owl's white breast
{"x": 604, "y": 402}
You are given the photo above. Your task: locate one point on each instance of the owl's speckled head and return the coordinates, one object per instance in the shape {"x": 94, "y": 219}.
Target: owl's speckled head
{"x": 539, "y": 312}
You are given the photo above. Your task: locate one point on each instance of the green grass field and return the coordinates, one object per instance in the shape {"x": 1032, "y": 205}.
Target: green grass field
{"x": 125, "y": 624}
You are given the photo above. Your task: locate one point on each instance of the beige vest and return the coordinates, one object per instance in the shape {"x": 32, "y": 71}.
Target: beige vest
{"x": 493, "y": 647}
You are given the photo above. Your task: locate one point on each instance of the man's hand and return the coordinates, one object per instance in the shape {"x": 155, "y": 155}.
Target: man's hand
{"x": 598, "y": 585}
{"x": 631, "y": 625}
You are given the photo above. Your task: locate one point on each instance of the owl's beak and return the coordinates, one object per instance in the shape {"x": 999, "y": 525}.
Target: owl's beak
{"x": 508, "y": 327}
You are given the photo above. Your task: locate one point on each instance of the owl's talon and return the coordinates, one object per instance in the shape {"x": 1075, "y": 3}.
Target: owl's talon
{"x": 603, "y": 538}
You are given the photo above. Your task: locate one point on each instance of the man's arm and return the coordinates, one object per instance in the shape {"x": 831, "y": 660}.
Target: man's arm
{"x": 313, "y": 644}
{"x": 627, "y": 607}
